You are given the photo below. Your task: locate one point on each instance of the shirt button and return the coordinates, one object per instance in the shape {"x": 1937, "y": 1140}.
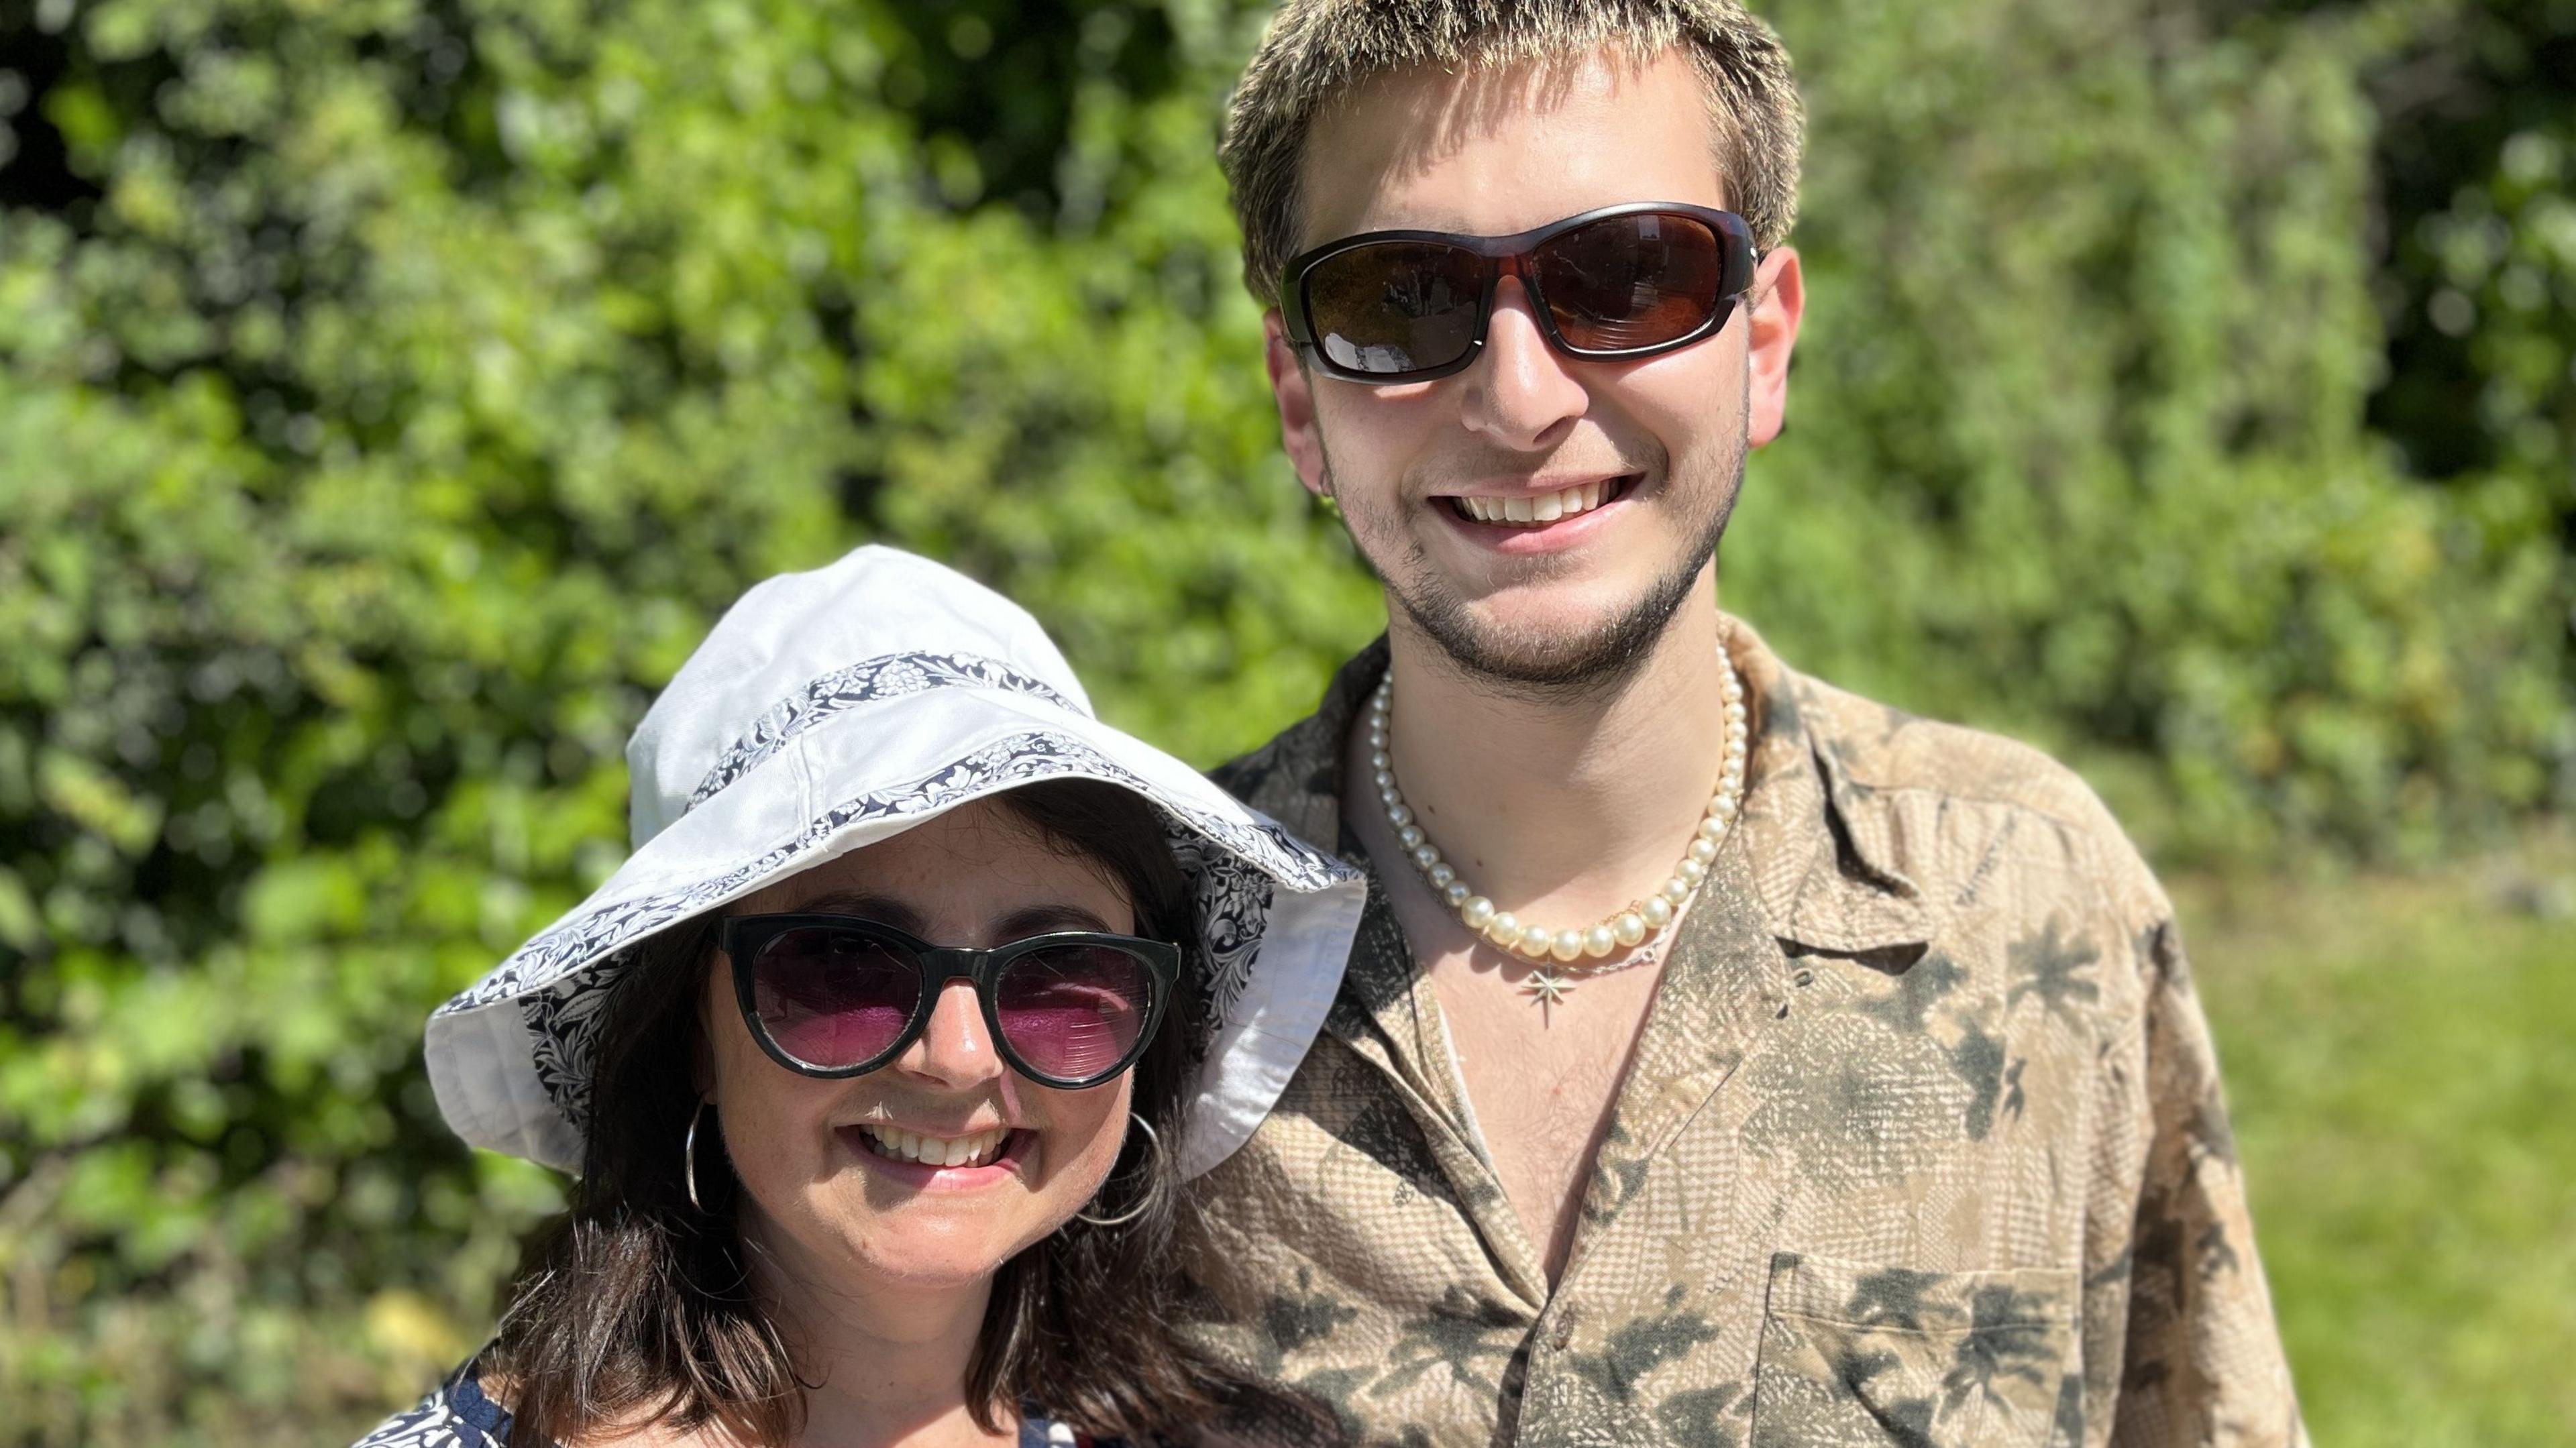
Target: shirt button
{"x": 1564, "y": 1332}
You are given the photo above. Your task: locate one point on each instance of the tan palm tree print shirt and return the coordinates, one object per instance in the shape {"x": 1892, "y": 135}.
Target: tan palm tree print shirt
{"x": 1922, "y": 1144}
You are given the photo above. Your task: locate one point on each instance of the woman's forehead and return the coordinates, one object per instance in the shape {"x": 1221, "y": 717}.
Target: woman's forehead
{"x": 971, "y": 869}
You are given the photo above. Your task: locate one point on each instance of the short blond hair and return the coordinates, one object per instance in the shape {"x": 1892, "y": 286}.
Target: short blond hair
{"x": 1320, "y": 49}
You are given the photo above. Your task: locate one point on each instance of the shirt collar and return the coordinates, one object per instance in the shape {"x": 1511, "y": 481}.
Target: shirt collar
{"x": 1826, "y": 849}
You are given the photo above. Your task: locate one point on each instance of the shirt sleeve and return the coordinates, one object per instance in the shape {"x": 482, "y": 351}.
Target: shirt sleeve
{"x": 2202, "y": 1361}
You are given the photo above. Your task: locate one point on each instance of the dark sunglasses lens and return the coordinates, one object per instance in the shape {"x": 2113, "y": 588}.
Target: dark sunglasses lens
{"x": 1395, "y": 306}
{"x": 1073, "y": 1012}
{"x": 1626, "y": 282}
{"x": 833, "y": 998}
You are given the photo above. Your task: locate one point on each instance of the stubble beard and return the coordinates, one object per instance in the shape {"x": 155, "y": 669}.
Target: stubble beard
{"x": 1577, "y": 663}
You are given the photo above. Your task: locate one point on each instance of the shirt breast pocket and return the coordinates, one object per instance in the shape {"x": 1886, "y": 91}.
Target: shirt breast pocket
{"x": 1857, "y": 1356}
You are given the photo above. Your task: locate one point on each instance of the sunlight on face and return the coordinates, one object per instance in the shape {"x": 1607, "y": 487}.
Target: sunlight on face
{"x": 1493, "y": 153}
{"x": 820, "y": 1197}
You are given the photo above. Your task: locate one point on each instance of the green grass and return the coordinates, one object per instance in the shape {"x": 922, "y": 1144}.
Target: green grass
{"x": 2401, "y": 1063}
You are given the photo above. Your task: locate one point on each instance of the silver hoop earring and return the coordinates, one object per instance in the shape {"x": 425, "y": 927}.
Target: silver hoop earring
{"x": 689, "y": 1157}
{"x": 1153, "y": 1139}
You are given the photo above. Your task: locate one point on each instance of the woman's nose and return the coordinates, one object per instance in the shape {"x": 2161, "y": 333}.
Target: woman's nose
{"x": 955, "y": 1049}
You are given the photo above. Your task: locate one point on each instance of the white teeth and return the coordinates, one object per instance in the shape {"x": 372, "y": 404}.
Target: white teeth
{"x": 979, "y": 1149}
{"x": 1544, "y": 508}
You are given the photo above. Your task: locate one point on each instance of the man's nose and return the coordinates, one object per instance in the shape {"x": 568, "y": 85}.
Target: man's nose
{"x": 1520, "y": 392}
{"x": 955, "y": 1051}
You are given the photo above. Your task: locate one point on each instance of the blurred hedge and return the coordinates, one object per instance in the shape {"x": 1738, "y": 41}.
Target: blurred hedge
{"x": 391, "y": 393}
{"x": 2078, "y": 441}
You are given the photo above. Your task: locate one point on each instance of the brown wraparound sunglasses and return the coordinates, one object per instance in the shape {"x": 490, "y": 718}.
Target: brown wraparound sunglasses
{"x": 1627, "y": 281}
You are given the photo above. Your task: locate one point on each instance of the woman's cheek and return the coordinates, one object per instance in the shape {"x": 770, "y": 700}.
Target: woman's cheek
{"x": 773, "y": 1130}
{"x": 1097, "y": 1119}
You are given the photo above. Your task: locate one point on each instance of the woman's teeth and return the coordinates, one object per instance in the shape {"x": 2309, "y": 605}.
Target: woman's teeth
{"x": 1543, "y": 508}
{"x": 981, "y": 1149}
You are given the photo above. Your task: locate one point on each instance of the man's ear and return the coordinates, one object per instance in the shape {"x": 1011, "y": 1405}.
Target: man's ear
{"x": 1295, "y": 392}
{"x": 1773, "y": 308}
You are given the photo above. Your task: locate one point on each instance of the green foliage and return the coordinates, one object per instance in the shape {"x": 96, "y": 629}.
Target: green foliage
{"x": 2076, "y": 443}
{"x": 393, "y": 391}
{"x": 2398, "y": 1055}
{"x": 2477, "y": 163}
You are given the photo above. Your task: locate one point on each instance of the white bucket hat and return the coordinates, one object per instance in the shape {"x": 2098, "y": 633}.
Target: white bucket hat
{"x": 832, "y": 709}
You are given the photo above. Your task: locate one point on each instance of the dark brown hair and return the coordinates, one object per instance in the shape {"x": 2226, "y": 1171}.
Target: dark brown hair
{"x": 636, "y": 1306}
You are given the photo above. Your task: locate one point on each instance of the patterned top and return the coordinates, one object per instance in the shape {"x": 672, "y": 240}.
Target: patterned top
{"x": 1922, "y": 1144}
{"x": 457, "y": 1415}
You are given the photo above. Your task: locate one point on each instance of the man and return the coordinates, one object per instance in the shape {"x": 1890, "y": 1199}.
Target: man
{"x": 1724, "y": 1059}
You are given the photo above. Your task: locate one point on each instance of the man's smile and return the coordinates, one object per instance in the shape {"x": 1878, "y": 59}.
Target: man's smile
{"x": 1532, "y": 507}
{"x": 1533, "y": 519}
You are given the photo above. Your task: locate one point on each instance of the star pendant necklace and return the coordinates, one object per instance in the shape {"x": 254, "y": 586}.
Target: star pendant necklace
{"x": 1554, "y": 954}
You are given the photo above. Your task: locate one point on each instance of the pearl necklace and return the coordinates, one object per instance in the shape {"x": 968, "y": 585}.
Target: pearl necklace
{"x": 1536, "y": 943}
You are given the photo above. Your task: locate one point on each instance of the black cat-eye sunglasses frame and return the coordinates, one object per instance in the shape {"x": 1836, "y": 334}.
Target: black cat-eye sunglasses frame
{"x": 1515, "y": 256}
{"x": 744, "y": 937}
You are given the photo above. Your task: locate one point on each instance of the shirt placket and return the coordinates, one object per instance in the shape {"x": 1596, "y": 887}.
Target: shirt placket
{"x": 1404, "y": 1038}
{"x": 1723, "y": 984}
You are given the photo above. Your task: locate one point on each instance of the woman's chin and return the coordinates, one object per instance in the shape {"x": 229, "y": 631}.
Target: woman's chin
{"x": 928, "y": 1242}
{"x": 929, "y": 1261}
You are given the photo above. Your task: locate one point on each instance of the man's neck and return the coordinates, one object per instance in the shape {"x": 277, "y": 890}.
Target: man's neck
{"x": 1559, "y": 806}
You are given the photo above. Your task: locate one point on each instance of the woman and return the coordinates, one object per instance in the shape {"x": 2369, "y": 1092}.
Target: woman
{"x": 873, "y": 1056}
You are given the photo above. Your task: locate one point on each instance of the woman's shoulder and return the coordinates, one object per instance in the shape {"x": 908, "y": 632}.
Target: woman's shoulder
{"x": 456, "y": 1414}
